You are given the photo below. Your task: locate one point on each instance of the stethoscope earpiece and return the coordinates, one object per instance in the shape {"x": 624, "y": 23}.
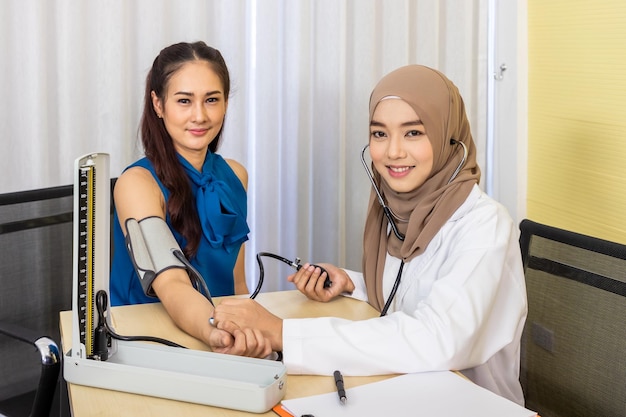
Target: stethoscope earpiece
{"x": 458, "y": 168}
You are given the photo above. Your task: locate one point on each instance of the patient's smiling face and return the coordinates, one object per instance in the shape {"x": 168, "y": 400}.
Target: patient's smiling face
{"x": 193, "y": 108}
{"x": 399, "y": 146}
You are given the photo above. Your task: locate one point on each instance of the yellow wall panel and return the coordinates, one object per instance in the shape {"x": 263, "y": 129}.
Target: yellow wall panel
{"x": 577, "y": 116}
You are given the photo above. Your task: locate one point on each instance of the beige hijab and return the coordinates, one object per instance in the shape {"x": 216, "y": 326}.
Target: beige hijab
{"x": 437, "y": 102}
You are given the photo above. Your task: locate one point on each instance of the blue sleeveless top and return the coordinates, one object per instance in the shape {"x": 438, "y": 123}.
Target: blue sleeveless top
{"x": 221, "y": 203}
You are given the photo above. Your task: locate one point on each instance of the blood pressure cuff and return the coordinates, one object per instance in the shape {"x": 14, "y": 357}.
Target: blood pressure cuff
{"x": 152, "y": 248}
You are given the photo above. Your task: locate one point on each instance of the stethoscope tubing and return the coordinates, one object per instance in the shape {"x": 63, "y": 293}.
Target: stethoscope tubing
{"x": 381, "y": 200}
{"x": 389, "y": 215}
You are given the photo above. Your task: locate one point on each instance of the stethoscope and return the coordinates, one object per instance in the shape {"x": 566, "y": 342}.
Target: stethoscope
{"x": 390, "y": 214}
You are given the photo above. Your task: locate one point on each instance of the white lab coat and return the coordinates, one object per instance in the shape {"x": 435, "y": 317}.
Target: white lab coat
{"x": 461, "y": 305}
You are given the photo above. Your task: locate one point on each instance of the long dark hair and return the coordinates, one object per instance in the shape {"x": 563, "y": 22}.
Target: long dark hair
{"x": 157, "y": 143}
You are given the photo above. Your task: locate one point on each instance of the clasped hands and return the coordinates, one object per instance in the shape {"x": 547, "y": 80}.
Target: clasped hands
{"x": 244, "y": 327}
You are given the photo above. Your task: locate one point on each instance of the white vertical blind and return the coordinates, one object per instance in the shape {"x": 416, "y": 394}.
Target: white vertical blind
{"x": 301, "y": 73}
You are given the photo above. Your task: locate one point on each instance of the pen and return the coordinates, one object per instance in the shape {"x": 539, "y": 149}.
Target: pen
{"x": 340, "y": 390}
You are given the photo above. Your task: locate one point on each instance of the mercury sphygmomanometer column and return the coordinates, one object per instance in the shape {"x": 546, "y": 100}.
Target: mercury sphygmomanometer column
{"x": 91, "y": 252}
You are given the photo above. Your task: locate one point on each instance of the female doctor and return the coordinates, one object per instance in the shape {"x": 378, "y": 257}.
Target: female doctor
{"x": 451, "y": 251}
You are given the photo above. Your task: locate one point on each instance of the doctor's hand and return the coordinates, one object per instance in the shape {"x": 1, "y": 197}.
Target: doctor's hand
{"x": 245, "y": 314}
{"x": 309, "y": 280}
{"x": 242, "y": 342}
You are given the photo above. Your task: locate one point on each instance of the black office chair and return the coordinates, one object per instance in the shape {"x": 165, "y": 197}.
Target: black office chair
{"x": 36, "y": 280}
{"x": 574, "y": 341}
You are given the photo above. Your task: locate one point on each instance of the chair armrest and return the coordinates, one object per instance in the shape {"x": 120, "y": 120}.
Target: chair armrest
{"x": 50, "y": 365}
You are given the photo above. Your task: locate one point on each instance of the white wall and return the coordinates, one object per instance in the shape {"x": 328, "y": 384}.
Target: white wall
{"x": 302, "y": 72}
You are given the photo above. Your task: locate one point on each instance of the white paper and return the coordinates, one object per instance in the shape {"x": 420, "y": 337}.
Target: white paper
{"x": 432, "y": 394}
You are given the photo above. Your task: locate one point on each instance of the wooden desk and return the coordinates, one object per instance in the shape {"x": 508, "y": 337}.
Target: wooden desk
{"x": 152, "y": 320}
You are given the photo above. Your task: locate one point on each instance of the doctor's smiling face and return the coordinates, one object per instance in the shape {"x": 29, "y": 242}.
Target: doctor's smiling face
{"x": 399, "y": 147}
